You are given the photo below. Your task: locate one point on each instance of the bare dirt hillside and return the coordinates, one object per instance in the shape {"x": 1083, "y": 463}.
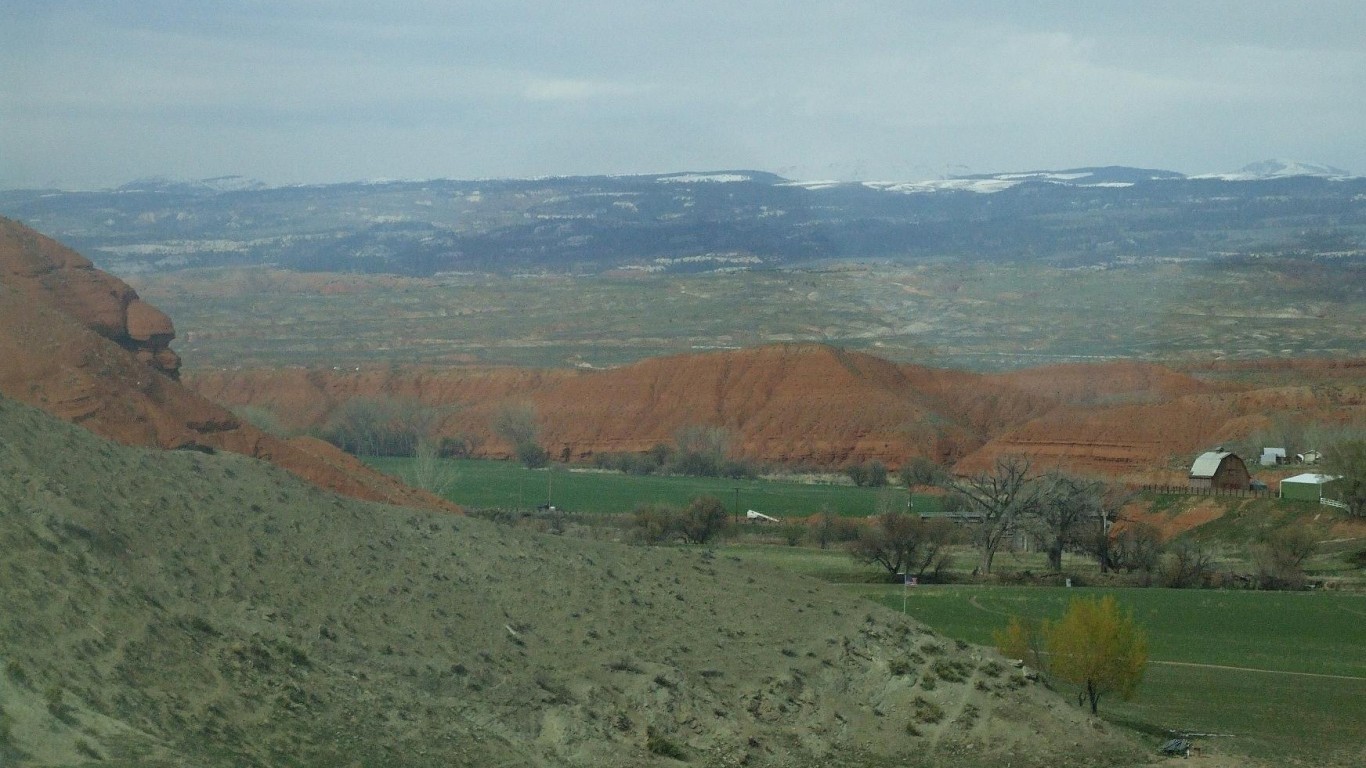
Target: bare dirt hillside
{"x": 789, "y": 403}
{"x": 817, "y": 404}
{"x": 181, "y": 609}
{"x": 81, "y": 345}
{"x": 1154, "y": 441}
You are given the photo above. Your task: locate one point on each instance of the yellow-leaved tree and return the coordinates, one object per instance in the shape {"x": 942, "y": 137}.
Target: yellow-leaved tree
{"x": 1023, "y": 639}
{"x": 1097, "y": 648}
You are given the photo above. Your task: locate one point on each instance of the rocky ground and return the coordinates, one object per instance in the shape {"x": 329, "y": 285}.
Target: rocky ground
{"x": 180, "y": 608}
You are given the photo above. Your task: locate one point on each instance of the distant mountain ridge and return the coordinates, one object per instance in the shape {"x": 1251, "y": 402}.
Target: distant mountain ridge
{"x": 703, "y": 220}
{"x": 1279, "y": 169}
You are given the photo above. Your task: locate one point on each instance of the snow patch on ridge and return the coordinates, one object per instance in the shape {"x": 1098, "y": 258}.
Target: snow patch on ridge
{"x": 696, "y": 178}
{"x": 1278, "y": 169}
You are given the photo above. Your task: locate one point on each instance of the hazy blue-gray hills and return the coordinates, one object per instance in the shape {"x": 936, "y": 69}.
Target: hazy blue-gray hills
{"x": 685, "y": 222}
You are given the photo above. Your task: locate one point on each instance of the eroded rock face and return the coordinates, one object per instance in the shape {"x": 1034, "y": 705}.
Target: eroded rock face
{"x": 36, "y": 266}
{"x": 82, "y": 346}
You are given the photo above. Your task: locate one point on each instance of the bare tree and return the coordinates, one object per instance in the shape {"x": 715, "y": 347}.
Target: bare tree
{"x": 655, "y": 524}
{"x": 1136, "y": 547}
{"x": 919, "y": 470}
{"x": 704, "y": 519}
{"x": 431, "y": 471}
{"x": 868, "y": 473}
{"x": 1065, "y": 505}
{"x": 1187, "y": 564}
{"x": 701, "y": 449}
{"x": 1001, "y": 499}
{"x": 1279, "y": 558}
{"x": 901, "y": 543}
{"x": 517, "y": 425}
{"x": 827, "y": 528}
{"x": 381, "y": 426}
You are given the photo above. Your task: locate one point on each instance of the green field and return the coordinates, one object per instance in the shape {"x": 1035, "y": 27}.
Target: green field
{"x": 1279, "y": 676}
{"x": 1297, "y": 697}
{"x": 485, "y": 484}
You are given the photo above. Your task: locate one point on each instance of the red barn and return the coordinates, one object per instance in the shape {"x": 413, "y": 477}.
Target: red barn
{"x": 1219, "y": 469}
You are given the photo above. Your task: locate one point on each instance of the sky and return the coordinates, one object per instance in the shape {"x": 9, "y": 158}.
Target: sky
{"x": 97, "y": 93}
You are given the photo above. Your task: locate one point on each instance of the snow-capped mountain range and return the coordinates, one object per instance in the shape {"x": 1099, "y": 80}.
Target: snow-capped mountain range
{"x": 704, "y": 219}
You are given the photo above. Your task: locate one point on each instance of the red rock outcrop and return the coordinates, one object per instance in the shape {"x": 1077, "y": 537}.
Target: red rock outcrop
{"x": 48, "y": 271}
{"x": 820, "y": 405}
{"x": 80, "y": 345}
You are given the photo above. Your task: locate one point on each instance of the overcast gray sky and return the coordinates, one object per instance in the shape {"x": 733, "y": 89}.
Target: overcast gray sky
{"x": 99, "y": 93}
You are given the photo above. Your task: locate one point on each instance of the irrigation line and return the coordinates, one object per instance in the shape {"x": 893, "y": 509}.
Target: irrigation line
{"x": 1254, "y": 669}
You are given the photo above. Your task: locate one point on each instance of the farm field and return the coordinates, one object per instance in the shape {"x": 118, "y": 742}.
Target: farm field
{"x": 485, "y": 484}
{"x": 1280, "y": 676}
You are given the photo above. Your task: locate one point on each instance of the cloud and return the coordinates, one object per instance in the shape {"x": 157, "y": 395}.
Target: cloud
{"x": 561, "y": 89}
{"x": 312, "y": 91}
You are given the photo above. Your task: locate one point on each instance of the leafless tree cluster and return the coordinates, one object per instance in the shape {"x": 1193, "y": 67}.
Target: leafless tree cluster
{"x": 517, "y": 425}
{"x": 381, "y": 426}
{"x": 904, "y": 544}
{"x": 703, "y": 520}
{"x": 1062, "y": 512}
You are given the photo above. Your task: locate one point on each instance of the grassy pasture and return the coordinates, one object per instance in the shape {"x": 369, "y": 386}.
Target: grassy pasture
{"x": 1299, "y": 696}
{"x": 480, "y": 483}
{"x": 1281, "y": 676}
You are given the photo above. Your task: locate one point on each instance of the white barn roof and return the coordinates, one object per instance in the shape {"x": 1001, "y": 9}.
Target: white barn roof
{"x": 1310, "y": 478}
{"x": 1206, "y": 464}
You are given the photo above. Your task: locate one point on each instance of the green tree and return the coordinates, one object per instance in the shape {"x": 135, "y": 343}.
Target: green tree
{"x": 1098, "y": 649}
{"x": 1347, "y": 459}
{"x": 1023, "y": 639}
